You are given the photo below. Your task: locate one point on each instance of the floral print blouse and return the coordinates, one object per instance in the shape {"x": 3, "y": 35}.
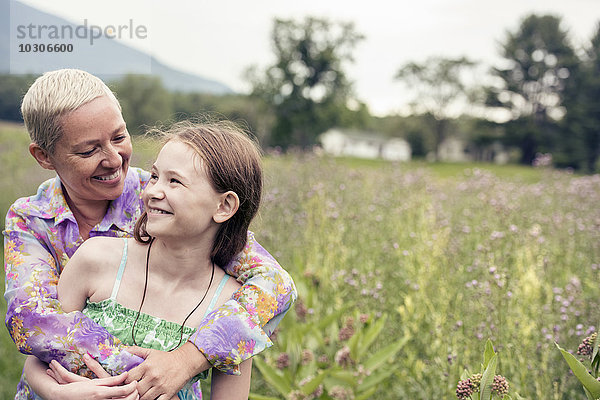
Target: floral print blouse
{"x": 40, "y": 236}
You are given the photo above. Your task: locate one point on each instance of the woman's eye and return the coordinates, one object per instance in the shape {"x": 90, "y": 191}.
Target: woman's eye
{"x": 119, "y": 138}
{"x": 86, "y": 153}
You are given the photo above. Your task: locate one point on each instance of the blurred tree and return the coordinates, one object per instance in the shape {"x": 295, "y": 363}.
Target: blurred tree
{"x": 307, "y": 88}
{"x": 437, "y": 85}
{"x": 144, "y": 100}
{"x": 413, "y": 128}
{"x": 12, "y": 90}
{"x": 582, "y": 121}
{"x": 252, "y": 113}
{"x": 539, "y": 60}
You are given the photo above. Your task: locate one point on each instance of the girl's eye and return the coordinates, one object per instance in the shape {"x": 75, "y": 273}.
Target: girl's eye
{"x": 153, "y": 177}
{"x": 173, "y": 180}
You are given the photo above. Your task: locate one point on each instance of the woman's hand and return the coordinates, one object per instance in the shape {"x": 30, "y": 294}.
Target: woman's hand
{"x": 63, "y": 376}
{"x": 75, "y": 387}
{"x": 163, "y": 374}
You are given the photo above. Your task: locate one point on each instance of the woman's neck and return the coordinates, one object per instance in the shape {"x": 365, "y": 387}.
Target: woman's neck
{"x": 87, "y": 213}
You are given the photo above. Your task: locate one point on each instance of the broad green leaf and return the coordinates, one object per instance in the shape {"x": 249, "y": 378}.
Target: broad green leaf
{"x": 581, "y": 372}
{"x": 354, "y": 344}
{"x": 587, "y": 394}
{"x": 384, "y": 354}
{"x": 329, "y": 319}
{"x": 370, "y": 334}
{"x": 595, "y": 344}
{"x": 485, "y": 389}
{"x": 344, "y": 376}
{"x": 488, "y": 353}
{"x": 465, "y": 374}
{"x": 254, "y": 396}
{"x": 273, "y": 377}
{"x": 366, "y": 395}
{"x": 595, "y": 358}
{"x": 317, "y": 335}
{"x": 374, "y": 379}
{"x": 312, "y": 385}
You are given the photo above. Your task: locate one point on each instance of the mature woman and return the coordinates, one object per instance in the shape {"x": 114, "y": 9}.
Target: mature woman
{"x": 77, "y": 129}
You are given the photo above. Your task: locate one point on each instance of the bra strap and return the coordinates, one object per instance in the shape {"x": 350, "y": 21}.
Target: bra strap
{"x": 117, "y": 284}
{"x": 216, "y": 295}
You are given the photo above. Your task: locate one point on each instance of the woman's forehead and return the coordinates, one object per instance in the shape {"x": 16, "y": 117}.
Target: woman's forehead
{"x": 93, "y": 121}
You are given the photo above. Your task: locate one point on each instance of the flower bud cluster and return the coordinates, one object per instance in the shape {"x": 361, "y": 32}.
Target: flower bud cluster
{"x": 476, "y": 379}
{"x": 342, "y": 357}
{"x": 500, "y": 385}
{"x": 347, "y": 330}
{"x": 283, "y": 361}
{"x": 586, "y": 347}
{"x": 464, "y": 389}
{"x": 341, "y": 393}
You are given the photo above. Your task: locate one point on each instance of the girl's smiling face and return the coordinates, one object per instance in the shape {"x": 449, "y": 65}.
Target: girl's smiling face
{"x": 179, "y": 198}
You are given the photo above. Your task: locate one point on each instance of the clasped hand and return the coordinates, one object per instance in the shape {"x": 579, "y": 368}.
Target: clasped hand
{"x": 73, "y": 386}
{"x": 163, "y": 374}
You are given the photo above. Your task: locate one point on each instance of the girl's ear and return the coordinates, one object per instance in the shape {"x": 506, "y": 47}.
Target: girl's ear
{"x": 228, "y": 206}
{"x": 41, "y": 156}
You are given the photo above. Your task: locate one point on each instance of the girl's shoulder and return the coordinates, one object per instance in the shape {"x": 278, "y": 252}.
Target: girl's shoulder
{"x": 103, "y": 244}
{"x": 100, "y": 251}
{"x": 230, "y": 287}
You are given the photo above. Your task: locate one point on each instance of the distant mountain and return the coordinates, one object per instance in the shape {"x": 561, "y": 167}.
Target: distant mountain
{"x": 108, "y": 59}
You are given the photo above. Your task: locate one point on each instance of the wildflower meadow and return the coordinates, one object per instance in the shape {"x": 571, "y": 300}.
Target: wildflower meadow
{"x": 406, "y": 275}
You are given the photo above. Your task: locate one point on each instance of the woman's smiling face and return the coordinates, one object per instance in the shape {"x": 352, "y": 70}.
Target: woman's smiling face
{"x": 92, "y": 155}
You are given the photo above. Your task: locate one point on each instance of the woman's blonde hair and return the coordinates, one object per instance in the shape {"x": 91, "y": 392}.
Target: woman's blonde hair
{"x": 52, "y": 96}
{"x": 232, "y": 161}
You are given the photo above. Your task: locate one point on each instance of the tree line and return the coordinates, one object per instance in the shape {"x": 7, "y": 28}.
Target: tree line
{"x": 544, "y": 98}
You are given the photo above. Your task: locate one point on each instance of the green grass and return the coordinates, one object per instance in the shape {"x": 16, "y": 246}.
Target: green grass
{"x": 453, "y": 254}
{"x": 449, "y": 170}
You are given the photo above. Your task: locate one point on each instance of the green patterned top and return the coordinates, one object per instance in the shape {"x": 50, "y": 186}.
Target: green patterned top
{"x": 150, "y": 332}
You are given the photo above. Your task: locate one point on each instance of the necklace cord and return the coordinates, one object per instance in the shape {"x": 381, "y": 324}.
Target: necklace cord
{"x": 143, "y": 295}
{"x": 212, "y": 275}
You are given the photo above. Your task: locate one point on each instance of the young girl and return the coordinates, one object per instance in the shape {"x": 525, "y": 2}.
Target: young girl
{"x": 153, "y": 290}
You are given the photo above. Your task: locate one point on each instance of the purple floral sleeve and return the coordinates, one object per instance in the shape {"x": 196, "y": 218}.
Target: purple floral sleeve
{"x": 241, "y": 327}
{"x": 34, "y": 317}
{"x": 41, "y": 235}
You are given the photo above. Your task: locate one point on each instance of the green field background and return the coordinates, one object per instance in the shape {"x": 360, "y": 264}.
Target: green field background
{"x": 440, "y": 256}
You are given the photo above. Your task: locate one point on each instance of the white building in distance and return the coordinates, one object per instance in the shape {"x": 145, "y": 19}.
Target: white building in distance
{"x": 341, "y": 142}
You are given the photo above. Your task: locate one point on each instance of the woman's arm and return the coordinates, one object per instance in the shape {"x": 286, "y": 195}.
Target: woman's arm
{"x": 34, "y": 317}
{"x": 253, "y": 312}
{"x": 77, "y": 388}
{"x": 234, "y": 332}
{"x": 80, "y": 277}
{"x": 231, "y": 387}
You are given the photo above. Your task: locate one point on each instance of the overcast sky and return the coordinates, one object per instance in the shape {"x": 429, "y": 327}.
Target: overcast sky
{"x": 220, "y": 39}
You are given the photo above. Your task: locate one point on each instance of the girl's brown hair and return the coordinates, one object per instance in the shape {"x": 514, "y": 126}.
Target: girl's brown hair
{"x": 232, "y": 161}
